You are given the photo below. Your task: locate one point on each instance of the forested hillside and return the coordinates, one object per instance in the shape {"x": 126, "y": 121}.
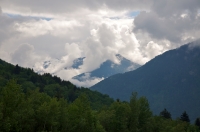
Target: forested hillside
{"x": 51, "y": 85}
{"x": 35, "y": 111}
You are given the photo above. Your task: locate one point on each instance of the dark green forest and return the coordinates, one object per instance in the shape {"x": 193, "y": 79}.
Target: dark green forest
{"x": 30, "y": 102}
{"x": 51, "y": 85}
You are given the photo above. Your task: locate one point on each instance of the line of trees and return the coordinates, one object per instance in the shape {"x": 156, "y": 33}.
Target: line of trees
{"x": 36, "y": 111}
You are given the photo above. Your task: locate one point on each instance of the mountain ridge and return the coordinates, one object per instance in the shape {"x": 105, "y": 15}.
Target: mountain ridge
{"x": 109, "y": 68}
{"x": 173, "y": 77}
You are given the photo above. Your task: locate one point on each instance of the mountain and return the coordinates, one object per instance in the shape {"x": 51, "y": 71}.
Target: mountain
{"x": 170, "y": 80}
{"x": 109, "y": 68}
{"x": 73, "y": 68}
{"x": 54, "y": 66}
{"x": 78, "y": 62}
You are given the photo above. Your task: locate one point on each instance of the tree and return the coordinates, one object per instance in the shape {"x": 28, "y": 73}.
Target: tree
{"x": 133, "y": 120}
{"x": 11, "y": 101}
{"x": 140, "y": 114}
{"x": 144, "y": 114}
{"x": 185, "y": 117}
{"x": 115, "y": 119}
{"x": 54, "y": 90}
{"x": 63, "y": 115}
{"x": 165, "y": 114}
{"x": 48, "y": 115}
{"x": 197, "y": 122}
{"x": 80, "y": 117}
{"x": 105, "y": 117}
{"x": 17, "y": 69}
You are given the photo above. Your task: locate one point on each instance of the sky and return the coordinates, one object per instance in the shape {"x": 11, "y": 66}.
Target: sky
{"x": 34, "y": 32}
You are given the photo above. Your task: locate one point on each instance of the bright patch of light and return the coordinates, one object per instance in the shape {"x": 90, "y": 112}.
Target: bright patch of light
{"x": 184, "y": 15}
{"x": 133, "y": 14}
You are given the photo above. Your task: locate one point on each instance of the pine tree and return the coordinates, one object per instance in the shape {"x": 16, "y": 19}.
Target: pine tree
{"x": 185, "y": 117}
{"x": 17, "y": 69}
{"x": 197, "y": 122}
{"x": 165, "y": 114}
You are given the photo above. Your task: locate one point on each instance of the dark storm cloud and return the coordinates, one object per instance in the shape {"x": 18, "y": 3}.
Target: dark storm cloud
{"x": 167, "y": 8}
{"x": 176, "y": 21}
{"x": 156, "y": 27}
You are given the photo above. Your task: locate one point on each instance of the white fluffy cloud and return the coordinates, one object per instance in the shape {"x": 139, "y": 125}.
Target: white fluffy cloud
{"x": 59, "y": 32}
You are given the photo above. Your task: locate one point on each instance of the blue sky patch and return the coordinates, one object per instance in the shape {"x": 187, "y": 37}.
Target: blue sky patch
{"x": 133, "y": 14}
{"x": 35, "y": 17}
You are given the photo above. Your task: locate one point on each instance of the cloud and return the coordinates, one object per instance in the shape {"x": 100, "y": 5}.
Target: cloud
{"x": 67, "y": 7}
{"x": 168, "y": 8}
{"x": 24, "y": 55}
{"x": 59, "y": 32}
{"x": 87, "y": 83}
{"x": 195, "y": 44}
{"x": 99, "y": 47}
{"x": 104, "y": 42}
{"x": 153, "y": 49}
{"x": 175, "y": 21}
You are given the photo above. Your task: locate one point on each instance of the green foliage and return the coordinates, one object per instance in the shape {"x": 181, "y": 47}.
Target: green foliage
{"x": 80, "y": 116}
{"x": 160, "y": 124}
{"x": 52, "y": 85}
{"x": 140, "y": 113}
{"x": 15, "y": 109}
{"x": 35, "y": 111}
{"x": 125, "y": 117}
{"x": 51, "y": 104}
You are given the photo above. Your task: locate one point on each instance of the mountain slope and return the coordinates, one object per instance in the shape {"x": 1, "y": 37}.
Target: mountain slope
{"x": 109, "y": 68}
{"x": 170, "y": 80}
